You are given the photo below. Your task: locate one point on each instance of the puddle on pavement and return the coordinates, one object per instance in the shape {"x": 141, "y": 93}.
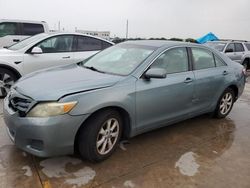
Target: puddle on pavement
{"x": 28, "y": 171}
{"x": 82, "y": 177}
{"x": 16, "y": 170}
{"x": 56, "y": 168}
{"x": 187, "y": 164}
{"x": 2, "y": 169}
{"x": 129, "y": 184}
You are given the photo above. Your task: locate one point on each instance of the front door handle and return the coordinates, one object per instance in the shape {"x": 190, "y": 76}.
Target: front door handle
{"x": 225, "y": 73}
{"x": 67, "y": 57}
{"x": 16, "y": 40}
{"x": 188, "y": 80}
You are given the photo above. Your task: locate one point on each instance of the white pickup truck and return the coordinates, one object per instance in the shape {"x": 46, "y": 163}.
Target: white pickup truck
{"x": 13, "y": 31}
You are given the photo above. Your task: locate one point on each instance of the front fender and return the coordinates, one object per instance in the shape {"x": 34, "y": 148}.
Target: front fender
{"x": 13, "y": 67}
{"x": 120, "y": 95}
{"x": 245, "y": 57}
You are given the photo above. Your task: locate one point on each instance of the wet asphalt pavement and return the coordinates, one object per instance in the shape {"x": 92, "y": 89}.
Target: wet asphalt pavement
{"x": 200, "y": 152}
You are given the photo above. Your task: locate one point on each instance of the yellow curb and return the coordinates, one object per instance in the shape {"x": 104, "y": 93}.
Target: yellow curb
{"x": 46, "y": 184}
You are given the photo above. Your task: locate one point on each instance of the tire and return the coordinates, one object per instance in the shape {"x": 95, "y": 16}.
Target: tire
{"x": 246, "y": 64}
{"x": 7, "y": 79}
{"x": 225, "y": 103}
{"x": 95, "y": 133}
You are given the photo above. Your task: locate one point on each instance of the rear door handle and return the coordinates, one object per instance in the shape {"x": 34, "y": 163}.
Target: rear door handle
{"x": 67, "y": 57}
{"x": 225, "y": 73}
{"x": 188, "y": 80}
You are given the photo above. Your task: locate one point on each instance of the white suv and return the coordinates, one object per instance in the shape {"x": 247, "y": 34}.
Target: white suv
{"x": 43, "y": 51}
{"x": 236, "y": 50}
{"x": 13, "y": 31}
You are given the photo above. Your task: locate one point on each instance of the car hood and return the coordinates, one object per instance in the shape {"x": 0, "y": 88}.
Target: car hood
{"x": 10, "y": 55}
{"x": 5, "y": 51}
{"x": 52, "y": 84}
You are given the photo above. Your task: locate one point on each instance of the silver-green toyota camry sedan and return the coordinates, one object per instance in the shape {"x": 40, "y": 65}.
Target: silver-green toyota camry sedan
{"x": 123, "y": 91}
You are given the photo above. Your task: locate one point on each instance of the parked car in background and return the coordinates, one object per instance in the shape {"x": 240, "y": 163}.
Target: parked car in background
{"x": 236, "y": 50}
{"x": 43, "y": 51}
{"x": 123, "y": 91}
{"x": 13, "y": 31}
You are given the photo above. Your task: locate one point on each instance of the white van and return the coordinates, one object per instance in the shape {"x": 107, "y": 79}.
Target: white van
{"x": 12, "y": 31}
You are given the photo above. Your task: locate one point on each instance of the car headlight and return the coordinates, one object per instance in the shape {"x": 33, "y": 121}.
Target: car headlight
{"x": 51, "y": 109}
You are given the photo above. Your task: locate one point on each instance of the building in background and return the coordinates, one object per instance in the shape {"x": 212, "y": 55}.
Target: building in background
{"x": 101, "y": 34}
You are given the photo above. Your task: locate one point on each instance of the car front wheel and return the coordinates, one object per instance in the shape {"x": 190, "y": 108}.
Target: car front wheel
{"x": 7, "y": 79}
{"x": 225, "y": 103}
{"x": 100, "y": 136}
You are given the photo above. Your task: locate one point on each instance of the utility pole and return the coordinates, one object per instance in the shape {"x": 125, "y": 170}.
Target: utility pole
{"x": 127, "y": 30}
{"x": 59, "y": 26}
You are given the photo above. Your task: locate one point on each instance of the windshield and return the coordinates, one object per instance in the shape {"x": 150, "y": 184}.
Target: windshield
{"x": 217, "y": 45}
{"x": 121, "y": 59}
{"x": 26, "y": 41}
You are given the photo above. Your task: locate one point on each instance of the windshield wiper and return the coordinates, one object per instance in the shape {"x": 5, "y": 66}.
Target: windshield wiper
{"x": 93, "y": 69}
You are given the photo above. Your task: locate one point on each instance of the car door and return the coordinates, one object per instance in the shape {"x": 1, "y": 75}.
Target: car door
{"x": 56, "y": 51}
{"x": 230, "y": 51}
{"x": 210, "y": 73}
{"x": 10, "y": 33}
{"x": 87, "y": 46}
{"x": 239, "y": 52}
{"x": 162, "y": 100}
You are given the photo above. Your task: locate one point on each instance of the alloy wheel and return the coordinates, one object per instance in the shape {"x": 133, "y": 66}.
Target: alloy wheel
{"x": 6, "y": 81}
{"x": 107, "y": 136}
{"x": 226, "y": 103}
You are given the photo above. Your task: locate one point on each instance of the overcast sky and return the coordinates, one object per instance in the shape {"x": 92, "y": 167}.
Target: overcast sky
{"x": 147, "y": 18}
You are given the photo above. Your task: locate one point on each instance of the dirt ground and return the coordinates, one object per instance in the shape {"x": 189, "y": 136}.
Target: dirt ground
{"x": 200, "y": 152}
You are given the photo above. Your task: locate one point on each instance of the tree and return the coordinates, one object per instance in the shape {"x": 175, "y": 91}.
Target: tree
{"x": 191, "y": 40}
{"x": 176, "y": 39}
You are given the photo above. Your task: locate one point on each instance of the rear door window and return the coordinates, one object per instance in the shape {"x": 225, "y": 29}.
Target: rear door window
{"x": 230, "y": 47}
{"x": 239, "y": 47}
{"x": 218, "y": 62}
{"x": 105, "y": 44}
{"x": 85, "y": 43}
{"x": 202, "y": 59}
{"x": 8, "y": 28}
{"x": 32, "y": 29}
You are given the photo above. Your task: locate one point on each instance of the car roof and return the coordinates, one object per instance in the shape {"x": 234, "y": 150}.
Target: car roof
{"x": 227, "y": 41}
{"x": 76, "y": 33}
{"x": 160, "y": 43}
{"x": 22, "y": 21}
{"x": 219, "y": 41}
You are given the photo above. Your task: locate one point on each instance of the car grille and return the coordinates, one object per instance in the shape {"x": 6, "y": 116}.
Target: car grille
{"x": 19, "y": 103}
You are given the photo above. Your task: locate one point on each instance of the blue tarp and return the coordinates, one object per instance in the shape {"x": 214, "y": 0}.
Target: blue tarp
{"x": 208, "y": 37}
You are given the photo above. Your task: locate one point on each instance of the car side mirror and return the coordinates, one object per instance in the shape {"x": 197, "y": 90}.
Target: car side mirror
{"x": 229, "y": 50}
{"x": 155, "y": 73}
{"x": 36, "y": 50}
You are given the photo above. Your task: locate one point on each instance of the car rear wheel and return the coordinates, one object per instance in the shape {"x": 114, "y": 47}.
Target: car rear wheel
{"x": 7, "y": 79}
{"x": 225, "y": 103}
{"x": 100, "y": 135}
